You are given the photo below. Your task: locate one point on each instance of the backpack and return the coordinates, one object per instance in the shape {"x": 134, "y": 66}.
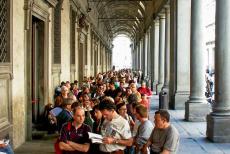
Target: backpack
{"x": 56, "y": 144}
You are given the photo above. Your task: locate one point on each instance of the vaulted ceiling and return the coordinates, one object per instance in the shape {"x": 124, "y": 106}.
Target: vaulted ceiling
{"x": 129, "y": 17}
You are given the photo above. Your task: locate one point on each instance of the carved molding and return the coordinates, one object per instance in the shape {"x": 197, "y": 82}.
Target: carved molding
{"x": 52, "y": 2}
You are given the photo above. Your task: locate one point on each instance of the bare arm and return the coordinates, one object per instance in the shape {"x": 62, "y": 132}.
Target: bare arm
{"x": 65, "y": 146}
{"x": 79, "y": 147}
{"x": 165, "y": 151}
{"x": 111, "y": 140}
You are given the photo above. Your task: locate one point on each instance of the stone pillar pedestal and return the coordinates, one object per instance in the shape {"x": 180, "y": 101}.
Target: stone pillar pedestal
{"x": 196, "y": 108}
{"x": 218, "y": 121}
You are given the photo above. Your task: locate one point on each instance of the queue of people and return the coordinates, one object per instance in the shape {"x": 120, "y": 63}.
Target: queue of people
{"x": 110, "y": 105}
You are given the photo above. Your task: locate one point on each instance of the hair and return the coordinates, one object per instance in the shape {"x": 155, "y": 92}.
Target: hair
{"x": 107, "y": 103}
{"x": 142, "y": 111}
{"x": 120, "y": 105}
{"x": 164, "y": 114}
{"x": 134, "y": 105}
{"x": 67, "y": 101}
{"x": 132, "y": 98}
{"x": 95, "y": 101}
{"x": 76, "y": 104}
{"x": 77, "y": 108}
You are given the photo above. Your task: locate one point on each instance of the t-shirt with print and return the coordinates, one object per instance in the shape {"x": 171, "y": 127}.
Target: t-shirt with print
{"x": 165, "y": 139}
{"x": 79, "y": 135}
{"x": 117, "y": 128}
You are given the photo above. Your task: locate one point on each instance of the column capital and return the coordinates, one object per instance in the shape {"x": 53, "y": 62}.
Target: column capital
{"x": 161, "y": 15}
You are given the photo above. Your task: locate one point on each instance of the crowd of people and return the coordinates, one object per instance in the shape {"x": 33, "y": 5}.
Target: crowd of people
{"x": 113, "y": 106}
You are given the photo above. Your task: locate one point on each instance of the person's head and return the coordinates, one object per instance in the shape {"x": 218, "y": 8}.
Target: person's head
{"x": 133, "y": 108}
{"x": 67, "y": 103}
{"x": 143, "y": 84}
{"x": 143, "y": 96}
{"x": 58, "y": 102}
{"x": 97, "y": 112}
{"x": 161, "y": 119}
{"x": 67, "y": 84}
{"x": 85, "y": 89}
{"x": 100, "y": 89}
{"x": 121, "y": 109}
{"x": 122, "y": 83}
{"x": 111, "y": 85}
{"x": 64, "y": 91}
{"x": 107, "y": 108}
{"x": 85, "y": 97}
{"x": 78, "y": 115}
{"x": 132, "y": 98}
{"x": 141, "y": 112}
{"x": 133, "y": 87}
{"x": 128, "y": 91}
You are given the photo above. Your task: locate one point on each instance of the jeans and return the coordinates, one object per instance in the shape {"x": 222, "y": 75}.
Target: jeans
{"x": 6, "y": 150}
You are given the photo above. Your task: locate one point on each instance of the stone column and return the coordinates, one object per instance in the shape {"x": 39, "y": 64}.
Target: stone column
{"x": 143, "y": 55}
{"x": 155, "y": 53}
{"x": 161, "y": 52}
{"x": 219, "y": 120}
{"x": 196, "y": 108}
{"x": 180, "y": 22}
{"x": 165, "y": 88}
{"x": 88, "y": 62}
{"x": 149, "y": 56}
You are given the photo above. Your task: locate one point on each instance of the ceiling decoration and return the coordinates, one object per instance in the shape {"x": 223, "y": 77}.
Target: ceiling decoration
{"x": 123, "y": 16}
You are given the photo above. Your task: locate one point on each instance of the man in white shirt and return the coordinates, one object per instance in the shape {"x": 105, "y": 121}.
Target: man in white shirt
{"x": 115, "y": 129}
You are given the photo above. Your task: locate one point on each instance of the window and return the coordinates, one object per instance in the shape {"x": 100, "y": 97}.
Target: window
{"x": 4, "y": 31}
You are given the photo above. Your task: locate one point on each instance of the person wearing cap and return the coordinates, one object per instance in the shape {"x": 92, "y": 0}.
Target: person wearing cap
{"x": 66, "y": 114}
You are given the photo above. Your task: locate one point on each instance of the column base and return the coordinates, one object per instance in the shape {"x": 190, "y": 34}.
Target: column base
{"x": 197, "y": 111}
{"x": 218, "y": 128}
{"x": 158, "y": 88}
{"x": 179, "y": 100}
{"x": 154, "y": 87}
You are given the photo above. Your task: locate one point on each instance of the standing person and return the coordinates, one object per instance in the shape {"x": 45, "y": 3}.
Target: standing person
{"x": 144, "y": 89}
{"x": 164, "y": 138}
{"x": 66, "y": 114}
{"x": 115, "y": 129}
{"x": 144, "y": 130}
{"x": 74, "y": 137}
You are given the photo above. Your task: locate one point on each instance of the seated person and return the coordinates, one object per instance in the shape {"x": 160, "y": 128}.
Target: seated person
{"x": 164, "y": 138}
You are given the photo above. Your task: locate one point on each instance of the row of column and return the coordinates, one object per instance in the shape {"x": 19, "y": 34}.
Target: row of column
{"x": 176, "y": 46}
{"x": 98, "y": 55}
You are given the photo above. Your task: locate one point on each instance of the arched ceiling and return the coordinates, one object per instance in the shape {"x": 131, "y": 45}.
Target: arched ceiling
{"x": 127, "y": 17}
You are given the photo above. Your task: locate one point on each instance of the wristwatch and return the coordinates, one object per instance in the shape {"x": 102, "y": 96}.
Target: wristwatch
{"x": 116, "y": 141}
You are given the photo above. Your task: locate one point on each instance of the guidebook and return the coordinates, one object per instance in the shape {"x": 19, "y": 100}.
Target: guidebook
{"x": 95, "y": 138}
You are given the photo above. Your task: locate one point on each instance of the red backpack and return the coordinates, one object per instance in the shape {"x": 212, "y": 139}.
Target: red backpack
{"x": 56, "y": 144}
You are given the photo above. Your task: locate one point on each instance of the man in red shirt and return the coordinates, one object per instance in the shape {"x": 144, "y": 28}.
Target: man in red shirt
{"x": 74, "y": 137}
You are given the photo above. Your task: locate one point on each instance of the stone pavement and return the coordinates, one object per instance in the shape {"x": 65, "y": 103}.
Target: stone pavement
{"x": 192, "y": 137}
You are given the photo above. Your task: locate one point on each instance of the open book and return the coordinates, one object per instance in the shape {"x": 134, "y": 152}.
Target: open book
{"x": 95, "y": 138}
